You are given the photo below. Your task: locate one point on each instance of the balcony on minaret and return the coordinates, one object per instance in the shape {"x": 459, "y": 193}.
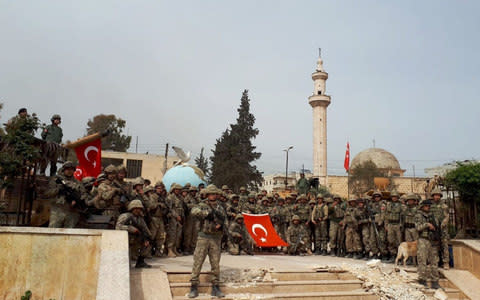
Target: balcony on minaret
{"x": 320, "y": 75}
{"x": 319, "y": 100}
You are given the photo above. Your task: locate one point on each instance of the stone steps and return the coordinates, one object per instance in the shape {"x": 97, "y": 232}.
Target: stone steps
{"x": 277, "y": 287}
{"x": 338, "y": 295}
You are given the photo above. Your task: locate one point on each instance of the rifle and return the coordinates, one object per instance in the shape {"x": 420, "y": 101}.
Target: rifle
{"x": 435, "y": 235}
{"x": 71, "y": 195}
{"x": 372, "y": 218}
{"x": 299, "y": 241}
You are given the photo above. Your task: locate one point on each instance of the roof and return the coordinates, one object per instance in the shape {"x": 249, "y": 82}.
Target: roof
{"x": 382, "y": 158}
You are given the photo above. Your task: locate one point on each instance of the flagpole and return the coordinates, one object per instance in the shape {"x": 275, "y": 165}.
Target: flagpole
{"x": 348, "y": 184}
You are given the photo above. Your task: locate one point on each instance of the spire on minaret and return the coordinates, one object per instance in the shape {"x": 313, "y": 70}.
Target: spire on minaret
{"x": 320, "y": 61}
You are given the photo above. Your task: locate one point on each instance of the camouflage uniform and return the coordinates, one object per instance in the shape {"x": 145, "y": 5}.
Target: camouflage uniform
{"x": 378, "y": 210}
{"x": 158, "y": 211}
{"x": 352, "y": 238}
{"x": 297, "y": 238}
{"x": 190, "y": 202}
{"x": 212, "y": 220}
{"x": 336, "y": 215}
{"x": 138, "y": 233}
{"x": 408, "y": 216}
{"x": 364, "y": 227}
{"x": 263, "y": 207}
{"x": 319, "y": 219}
{"x": 250, "y": 206}
{"x": 303, "y": 212}
{"x": 440, "y": 212}
{"x": 238, "y": 237}
{"x": 427, "y": 254}
{"x": 175, "y": 218}
{"x": 393, "y": 224}
{"x": 62, "y": 213}
{"x": 280, "y": 216}
{"x": 108, "y": 196}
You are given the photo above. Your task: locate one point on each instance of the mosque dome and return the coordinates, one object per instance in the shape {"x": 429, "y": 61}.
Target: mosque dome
{"x": 382, "y": 159}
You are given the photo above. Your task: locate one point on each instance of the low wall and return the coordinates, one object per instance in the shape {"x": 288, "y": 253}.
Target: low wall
{"x": 64, "y": 263}
{"x": 466, "y": 255}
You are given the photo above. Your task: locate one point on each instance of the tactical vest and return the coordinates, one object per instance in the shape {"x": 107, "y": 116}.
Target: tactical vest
{"x": 423, "y": 218}
{"x": 436, "y": 209}
{"x": 394, "y": 210}
{"x": 350, "y": 215}
{"x": 410, "y": 213}
{"x": 338, "y": 213}
{"x": 303, "y": 211}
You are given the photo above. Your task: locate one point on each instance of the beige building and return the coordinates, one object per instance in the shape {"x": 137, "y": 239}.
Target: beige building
{"x": 148, "y": 166}
{"x": 276, "y": 182}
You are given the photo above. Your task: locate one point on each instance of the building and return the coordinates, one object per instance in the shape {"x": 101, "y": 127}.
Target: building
{"x": 276, "y": 182}
{"x": 383, "y": 159}
{"x": 148, "y": 166}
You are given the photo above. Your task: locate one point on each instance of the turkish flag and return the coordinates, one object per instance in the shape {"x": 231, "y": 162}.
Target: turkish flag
{"x": 89, "y": 157}
{"x": 261, "y": 230}
{"x": 346, "y": 163}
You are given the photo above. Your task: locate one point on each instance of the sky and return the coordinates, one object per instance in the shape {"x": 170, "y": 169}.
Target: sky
{"x": 402, "y": 73}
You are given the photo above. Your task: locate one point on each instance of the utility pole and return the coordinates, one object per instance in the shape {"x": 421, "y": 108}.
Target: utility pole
{"x": 136, "y": 145}
{"x": 286, "y": 166}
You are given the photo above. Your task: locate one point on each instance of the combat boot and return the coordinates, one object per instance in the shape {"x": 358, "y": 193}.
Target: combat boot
{"x": 177, "y": 252}
{"x": 317, "y": 251}
{"x": 141, "y": 263}
{"x": 349, "y": 255}
{"x": 423, "y": 282}
{"x": 357, "y": 255}
{"x": 333, "y": 252}
{"x": 435, "y": 285}
{"x": 171, "y": 253}
{"x": 216, "y": 291}
{"x": 193, "y": 291}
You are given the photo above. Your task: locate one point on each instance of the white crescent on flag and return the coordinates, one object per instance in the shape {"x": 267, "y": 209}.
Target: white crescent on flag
{"x": 255, "y": 226}
{"x": 87, "y": 150}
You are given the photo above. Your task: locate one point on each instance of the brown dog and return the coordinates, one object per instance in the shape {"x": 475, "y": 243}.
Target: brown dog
{"x": 405, "y": 250}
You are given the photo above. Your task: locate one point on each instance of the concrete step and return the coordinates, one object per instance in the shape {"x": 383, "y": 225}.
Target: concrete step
{"x": 278, "y": 287}
{"x": 177, "y": 277}
{"x": 451, "y": 293}
{"x": 328, "y": 295}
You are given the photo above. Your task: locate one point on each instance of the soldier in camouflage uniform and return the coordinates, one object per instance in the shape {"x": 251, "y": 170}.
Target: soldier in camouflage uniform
{"x": 352, "y": 238}
{"x": 302, "y": 210}
{"x": 250, "y": 206}
{"x": 409, "y": 214}
{"x": 138, "y": 233}
{"x": 158, "y": 211}
{"x": 243, "y": 196}
{"x": 68, "y": 197}
{"x": 175, "y": 219}
{"x": 108, "y": 196}
{"x": 440, "y": 210}
{"x": 378, "y": 207}
{"x": 364, "y": 224}
{"x": 297, "y": 237}
{"x": 319, "y": 220}
{"x": 335, "y": 215}
{"x": 263, "y": 207}
{"x": 280, "y": 216}
{"x": 238, "y": 242}
{"x": 394, "y": 224}
{"x": 125, "y": 187}
{"x": 87, "y": 183}
{"x": 190, "y": 201}
{"x": 428, "y": 246}
{"x": 212, "y": 220}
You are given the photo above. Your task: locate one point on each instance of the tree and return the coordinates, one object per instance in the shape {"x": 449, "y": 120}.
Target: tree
{"x": 116, "y": 140}
{"x": 1, "y": 129}
{"x": 363, "y": 175}
{"x": 202, "y": 163}
{"x": 465, "y": 179}
{"x": 234, "y": 153}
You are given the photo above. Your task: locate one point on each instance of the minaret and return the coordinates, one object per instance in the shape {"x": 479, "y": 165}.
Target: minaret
{"x": 319, "y": 102}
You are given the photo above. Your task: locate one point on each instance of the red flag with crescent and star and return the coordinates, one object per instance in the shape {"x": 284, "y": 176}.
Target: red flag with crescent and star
{"x": 89, "y": 157}
{"x": 346, "y": 163}
{"x": 261, "y": 230}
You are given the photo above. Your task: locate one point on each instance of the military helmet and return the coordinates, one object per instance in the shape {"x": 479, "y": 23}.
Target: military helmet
{"x": 425, "y": 202}
{"x": 56, "y": 117}
{"x": 337, "y": 197}
{"x": 88, "y": 180}
{"x": 224, "y": 187}
{"x": 360, "y": 200}
{"x": 238, "y": 216}
{"x": 264, "y": 199}
{"x": 159, "y": 183}
{"x": 121, "y": 168}
{"x": 302, "y": 197}
{"x": 68, "y": 165}
{"x": 295, "y": 217}
{"x": 234, "y": 196}
{"x": 376, "y": 193}
{"x": 437, "y": 191}
{"x": 280, "y": 199}
{"x": 410, "y": 196}
{"x": 187, "y": 185}
{"x": 211, "y": 189}
{"x": 101, "y": 177}
{"x": 148, "y": 189}
{"x": 138, "y": 181}
{"x": 329, "y": 200}
{"x": 175, "y": 186}
{"x": 312, "y": 202}
{"x": 352, "y": 199}
{"x": 193, "y": 189}
{"x": 110, "y": 169}
{"x": 135, "y": 204}
{"x": 394, "y": 194}
{"x": 251, "y": 195}
{"x": 294, "y": 194}
{"x": 320, "y": 196}
{"x": 242, "y": 188}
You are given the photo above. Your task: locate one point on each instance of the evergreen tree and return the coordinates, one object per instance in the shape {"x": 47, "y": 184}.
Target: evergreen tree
{"x": 234, "y": 153}
{"x": 202, "y": 163}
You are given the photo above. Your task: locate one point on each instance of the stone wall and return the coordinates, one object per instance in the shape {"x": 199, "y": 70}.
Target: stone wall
{"x": 339, "y": 185}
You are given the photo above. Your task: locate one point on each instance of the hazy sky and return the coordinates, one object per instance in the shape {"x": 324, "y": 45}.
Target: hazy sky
{"x": 404, "y": 73}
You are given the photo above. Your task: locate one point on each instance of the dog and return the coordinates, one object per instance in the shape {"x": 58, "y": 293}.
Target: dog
{"x": 406, "y": 250}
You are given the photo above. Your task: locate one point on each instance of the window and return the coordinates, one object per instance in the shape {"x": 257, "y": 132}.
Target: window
{"x": 134, "y": 168}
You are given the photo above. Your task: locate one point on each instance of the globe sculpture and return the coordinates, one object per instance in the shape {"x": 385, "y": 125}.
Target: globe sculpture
{"x": 183, "y": 174}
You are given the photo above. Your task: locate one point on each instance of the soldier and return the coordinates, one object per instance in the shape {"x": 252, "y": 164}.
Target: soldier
{"x": 87, "y": 183}
{"x": 364, "y": 228}
{"x": 428, "y": 246}
{"x": 243, "y": 196}
{"x": 138, "y": 233}
{"x": 108, "y": 197}
{"x": 302, "y": 210}
{"x": 335, "y": 215}
{"x": 440, "y": 211}
{"x": 52, "y": 134}
{"x": 297, "y": 237}
{"x": 125, "y": 187}
{"x": 319, "y": 220}
{"x": 238, "y": 237}
{"x": 263, "y": 207}
{"x": 176, "y": 218}
{"x": 68, "y": 198}
{"x": 393, "y": 225}
{"x": 189, "y": 228}
{"x": 302, "y": 185}
{"x": 250, "y": 206}
{"x": 378, "y": 207}
{"x": 138, "y": 192}
{"x": 212, "y": 221}
{"x": 352, "y": 238}
{"x": 408, "y": 216}
{"x": 158, "y": 211}
{"x": 280, "y": 217}
{"x": 233, "y": 208}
